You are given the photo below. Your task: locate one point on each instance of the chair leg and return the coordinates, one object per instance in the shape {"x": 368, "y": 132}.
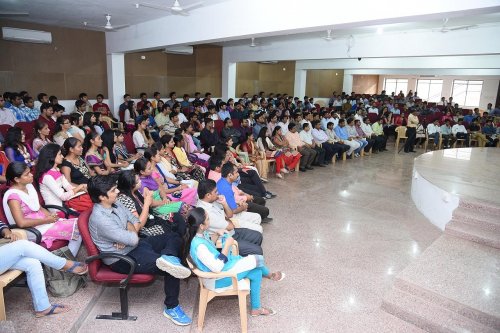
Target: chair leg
{"x": 123, "y": 314}
{"x": 397, "y": 144}
{"x": 242, "y": 299}
{"x": 202, "y": 308}
{"x": 3, "y": 316}
{"x": 344, "y": 156}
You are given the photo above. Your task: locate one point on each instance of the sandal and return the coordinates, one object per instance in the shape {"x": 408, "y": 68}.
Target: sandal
{"x": 76, "y": 265}
{"x": 52, "y": 311}
{"x": 263, "y": 312}
{"x": 277, "y": 276}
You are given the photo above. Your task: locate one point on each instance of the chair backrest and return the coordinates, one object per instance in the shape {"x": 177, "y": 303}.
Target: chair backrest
{"x": 4, "y": 128}
{"x": 401, "y": 130}
{"x": 236, "y": 123}
{"x": 28, "y": 128}
{"x": 218, "y": 125}
{"x": 92, "y": 250}
{"x": 129, "y": 142}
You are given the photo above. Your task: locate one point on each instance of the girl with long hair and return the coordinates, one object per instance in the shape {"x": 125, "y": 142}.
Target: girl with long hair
{"x": 42, "y": 133}
{"x": 290, "y": 157}
{"x": 16, "y": 148}
{"x": 88, "y": 122}
{"x": 63, "y": 125}
{"x": 208, "y": 258}
{"x": 73, "y": 166}
{"x": 177, "y": 153}
{"x": 75, "y": 129}
{"x": 142, "y": 138}
{"x": 93, "y": 155}
{"x": 265, "y": 146}
{"x": 109, "y": 140}
{"x": 22, "y": 207}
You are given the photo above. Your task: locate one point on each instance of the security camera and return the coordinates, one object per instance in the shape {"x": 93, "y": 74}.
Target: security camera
{"x": 359, "y": 59}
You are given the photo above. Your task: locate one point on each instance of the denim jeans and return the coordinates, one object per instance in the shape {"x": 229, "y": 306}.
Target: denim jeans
{"x": 27, "y": 256}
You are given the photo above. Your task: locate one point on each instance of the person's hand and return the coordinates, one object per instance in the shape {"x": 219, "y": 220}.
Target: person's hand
{"x": 244, "y": 205}
{"x": 119, "y": 246}
{"x": 221, "y": 199}
{"x": 80, "y": 188}
{"x": 148, "y": 196}
{"x": 51, "y": 218}
{"x": 229, "y": 241}
{"x": 249, "y": 197}
{"x": 7, "y": 234}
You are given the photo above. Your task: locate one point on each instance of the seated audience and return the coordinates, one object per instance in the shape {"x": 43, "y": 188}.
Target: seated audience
{"x": 73, "y": 166}
{"x": 182, "y": 157}
{"x": 179, "y": 170}
{"x": 42, "y": 133}
{"x": 476, "y": 133}
{"x": 321, "y": 140}
{"x": 447, "y": 134}
{"x": 101, "y": 107}
{"x": 306, "y": 137}
{"x": 380, "y": 139}
{"x": 93, "y": 155}
{"x": 115, "y": 229}
{"x": 142, "y": 138}
{"x": 22, "y": 207}
{"x": 207, "y": 258}
{"x": 46, "y": 111}
{"x": 189, "y": 143}
{"x": 63, "y": 125}
{"x": 76, "y": 130}
{"x": 109, "y": 139}
{"x": 255, "y": 157}
{"x": 460, "y": 132}
{"x": 342, "y": 134}
{"x": 6, "y": 115}
{"x": 306, "y": 150}
{"x": 30, "y": 111}
{"x": 434, "y": 132}
{"x": 89, "y": 121}
{"x": 16, "y": 148}
{"x": 290, "y": 157}
{"x": 491, "y": 132}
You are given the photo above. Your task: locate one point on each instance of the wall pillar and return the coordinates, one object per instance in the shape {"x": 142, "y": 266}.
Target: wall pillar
{"x": 299, "y": 86}
{"x": 116, "y": 80}
{"x": 229, "y": 81}
{"x": 348, "y": 81}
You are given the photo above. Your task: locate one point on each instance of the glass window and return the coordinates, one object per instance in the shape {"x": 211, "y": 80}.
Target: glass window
{"x": 395, "y": 86}
{"x": 467, "y": 93}
{"x": 430, "y": 90}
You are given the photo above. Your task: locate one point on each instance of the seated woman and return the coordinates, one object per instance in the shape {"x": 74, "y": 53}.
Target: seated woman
{"x": 169, "y": 163}
{"x": 111, "y": 160}
{"x": 88, "y": 122}
{"x": 93, "y": 155}
{"x": 190, "y": 145}
{"x": 291, "y": 157}
{"x": 195, "y": 170}
{"x": 98, "y": 127}
{"x": 21, "y": 207}
{"x": 142, "y": 138}
{"x": 161, "y": 202}
{"x": 73, "y": 166}
{"x": 76, "y": 130}
{"x": 129, "y": 116}
{"x": 121, "y": 151}
{"x": 207, "y": 258}
{"x": 62, "y": 130}
{"x": 28, "y": 257}
{"x": 255, "y": 157}
{"x": 16, "y": 148}
{"x": 42, "y": 133}
{"x": 142, "y": 206}
{"x": 265, "y": 146}
{"x": 174, "y": 190}
{"x": 54, "y": 187}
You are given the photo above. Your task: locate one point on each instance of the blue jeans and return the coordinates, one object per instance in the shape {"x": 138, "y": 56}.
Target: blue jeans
{"x": 362, "y": 146}
{"x": 27, "y": 256}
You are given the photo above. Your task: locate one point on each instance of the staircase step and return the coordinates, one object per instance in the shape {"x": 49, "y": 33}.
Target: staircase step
{"x": 473, "y": 233}
{"x": 480, "y": 206}
{"x": 429, "y": 316}
{"x": 482, "y": 219}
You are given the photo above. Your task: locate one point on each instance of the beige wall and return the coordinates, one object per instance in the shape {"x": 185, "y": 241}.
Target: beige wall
{"x": 201, "y": 71}
{"x": 74, "y": 62}
{"x": 365, "y": 84}
{"x": 252, "y": 77}
{"x": 322, "y": 82}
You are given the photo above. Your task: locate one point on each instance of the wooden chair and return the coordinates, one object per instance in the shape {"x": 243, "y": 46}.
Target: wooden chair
{"x": 344, "y": 157}
{"x": 238, "y": 288}
{"x": 401, "y": 134}
{"x": 438, "y": 144}
{"x": 9, "y": 276}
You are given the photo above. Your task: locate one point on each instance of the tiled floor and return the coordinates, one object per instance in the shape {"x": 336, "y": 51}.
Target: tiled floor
{"x": 340, "y": 233}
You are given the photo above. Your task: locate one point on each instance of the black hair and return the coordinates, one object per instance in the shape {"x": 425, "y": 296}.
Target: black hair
{"x": 205, "y": 187}
{"x": 74, "y": 118}
{"x": 87, "y": 116}
{"x": 178, "y": 138}
{"x": 39, "y": 124}
{"x": 220, "y": 150}
{"x": 165, "y": 139}
{"x": 126, "y": 95}
{"x": 26, "y": 99}
{"x": 59, "y": 123}
{"x": 79, "y": 103}
{"x": 314, "y": 123}
{"x": 329, "y": 123}
{"x": 226, "y": 120}
{"x": 305, "y": 125}
{"x": 290, "y": 126}
{"x": 46, "y": 160}
{"x": 341, "y": 120}
{"x": 100, "y": 186}
{"x": 126, "y": 182}
{"x": 349, "y": 120}
{"x": 215, "y": 162}
{"x": 99, "y": 95}
{"x": 82, "y": 95}
{"x": 156, "y": 93}
{"x": 172, "y": 94}
{"x": 45, "y": 106}
{"x": 40, "y": 96}
{"x": 87, "y": 142}
{"x": 275, "y": 130}
{"x": 15, "y": 170}
{"x": 13, "y": 138}
{"x": 143, "y": 94}
{"x": 108, "y": 141}
{"x": 70, "y": 142}
{"x": 227, "y": 168}
{"x": 172, "y": 115}
{"x": 140, "y": 165}
{"x": 150, "y": 152}
{"x": 195, "y": 218}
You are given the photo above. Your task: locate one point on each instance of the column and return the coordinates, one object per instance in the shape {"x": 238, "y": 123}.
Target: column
{"x": 299, "y": 86}
{"x": 229, "y": 81}
{"x": 347, "y": 85}
{"x": 116, "y": 80}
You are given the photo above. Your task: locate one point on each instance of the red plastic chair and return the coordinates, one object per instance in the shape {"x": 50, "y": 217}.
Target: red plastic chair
{"x": 4, "y": 128}
{"x": 128, "y": 141}
{"x": 101, "y": 273}
{"x": 218, "y": 125}
{"x": 236, "y": 123}
{"x": 28, "y": 129}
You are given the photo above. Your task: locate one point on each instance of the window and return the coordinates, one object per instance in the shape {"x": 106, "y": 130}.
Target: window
{"x": 430, "y": 90}
{"x": 467, "y": 93}
{"x": 396, "y": 85}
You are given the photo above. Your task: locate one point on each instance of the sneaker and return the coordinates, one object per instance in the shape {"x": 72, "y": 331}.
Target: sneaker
{"x": 285, "y": 171}
{"x": 357, "y": 155}
{"x": 177, "y": 315}
{"x": 279, "y": 175}
{"x": 172, "y": 265}
{"x": 270, "y": 195}
{"x": 267, "y": 220}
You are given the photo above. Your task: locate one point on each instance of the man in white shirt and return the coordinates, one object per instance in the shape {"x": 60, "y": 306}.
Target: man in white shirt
{"x": 380, "y": 140}
{"x": 307, "y": 151}
{"x": 219, "y": 213}
{"x": 6, "y": 115}
{"x": 351, "y": 130}
{"x": 321, "y": 139}
{"x": 460, "y": 132}
{"x": 433, "y": 131}
{"x": 327, "y": 117}
{"x": 373, "y": 108}
{"x": 306, "y": 137}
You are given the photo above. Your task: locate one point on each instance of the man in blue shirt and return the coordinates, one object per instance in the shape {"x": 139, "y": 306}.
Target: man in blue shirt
{"x": 245, "y": 218}
{"x": 341, "y": 132}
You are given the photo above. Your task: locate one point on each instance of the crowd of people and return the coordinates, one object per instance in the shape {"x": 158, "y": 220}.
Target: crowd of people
{"x": 195, "y": 184}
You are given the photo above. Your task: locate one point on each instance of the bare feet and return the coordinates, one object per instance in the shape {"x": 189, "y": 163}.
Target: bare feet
{"x": 262, "y": 312}
{"x": 53, "y": 309}
{"x": 276, "y": 276}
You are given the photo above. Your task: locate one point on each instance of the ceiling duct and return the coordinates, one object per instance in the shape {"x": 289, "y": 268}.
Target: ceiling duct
{"x": 186, "y": 50}
{"x": 27, "y": 36}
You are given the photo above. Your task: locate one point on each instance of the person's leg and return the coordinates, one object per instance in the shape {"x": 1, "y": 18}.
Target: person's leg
{"x": 411, "y": 134}
{"x": 256, "y": 208}
{"x": 369, "y": 145}
{"x": 312, "y": 156}
{"x": 248, "y": 235}
{"x": 320, "y": 157}
{"x": 255, "y": 277}
{"x": 305, "y": 157}
{"x": 294, "y": 160}
{"x": 74, "y": 245}
{"x": 36, "y": 281}
{"x": 249, "y": 189}
{"x": 248, "y": 248}
{"x": 253, "y": 178}
{"x": 249, "y": 220}
{"x": 259, "y": 200}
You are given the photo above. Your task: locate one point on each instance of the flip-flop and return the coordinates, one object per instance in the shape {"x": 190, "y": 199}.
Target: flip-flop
{"x": 53, "y": 308}
{"x": 271, "y": 312}
{"x": 75, "y": 265}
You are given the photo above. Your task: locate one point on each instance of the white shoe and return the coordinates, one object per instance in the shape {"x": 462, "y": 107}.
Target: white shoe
{"x": 279, "y": 175}
{"x": 356, "y": 155}
{"x": 285, "y": 171}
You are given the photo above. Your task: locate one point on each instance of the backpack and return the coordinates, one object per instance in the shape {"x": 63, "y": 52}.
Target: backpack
{"x": 63, "y": 284}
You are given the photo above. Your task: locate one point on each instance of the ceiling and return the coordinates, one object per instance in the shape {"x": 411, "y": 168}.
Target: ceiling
{"x": 72, "y": 14}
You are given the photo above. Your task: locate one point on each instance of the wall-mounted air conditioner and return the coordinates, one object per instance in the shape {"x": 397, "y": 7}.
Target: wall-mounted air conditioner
{"x": 28, "y": 36}
{"x": 187, "y": 50}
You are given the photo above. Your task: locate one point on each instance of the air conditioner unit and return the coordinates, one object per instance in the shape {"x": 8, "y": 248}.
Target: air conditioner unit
{"x": 187, "y": 50}
{"x": 28, "y": 36}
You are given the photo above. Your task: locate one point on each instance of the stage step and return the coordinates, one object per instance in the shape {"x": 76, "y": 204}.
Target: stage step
{"x": 473, "y": 232}
{"x": 451, "y": 287}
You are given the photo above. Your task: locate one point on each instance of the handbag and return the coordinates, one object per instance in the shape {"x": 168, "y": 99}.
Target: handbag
{"x": 63, "y": 284}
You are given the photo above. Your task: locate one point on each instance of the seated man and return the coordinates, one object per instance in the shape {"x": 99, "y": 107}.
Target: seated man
{"x": 256, "y": 204}
{"x": 307, "y": 138}
{"x": 240, "y": 211}
{"x": 351, "y": 130}
{"x": 208, "y": 136}
{"x": 433, "y": 131}
{"x": 380, "y": 140}
{"x": 6, "y": 115}
{"x": 230, "y": 132}
{"x": 460, "y": 132}
{"x": 321, "y": 139}
{"x": 306, "y": 150}
{"x": 334, "y": 139}
{"x": 341, "y": 132}
{"x": 249, "y": 241}
{"x": 490, "y": 130}
{"x": 114, "y": 229}
{"x": 446, "y": 134}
